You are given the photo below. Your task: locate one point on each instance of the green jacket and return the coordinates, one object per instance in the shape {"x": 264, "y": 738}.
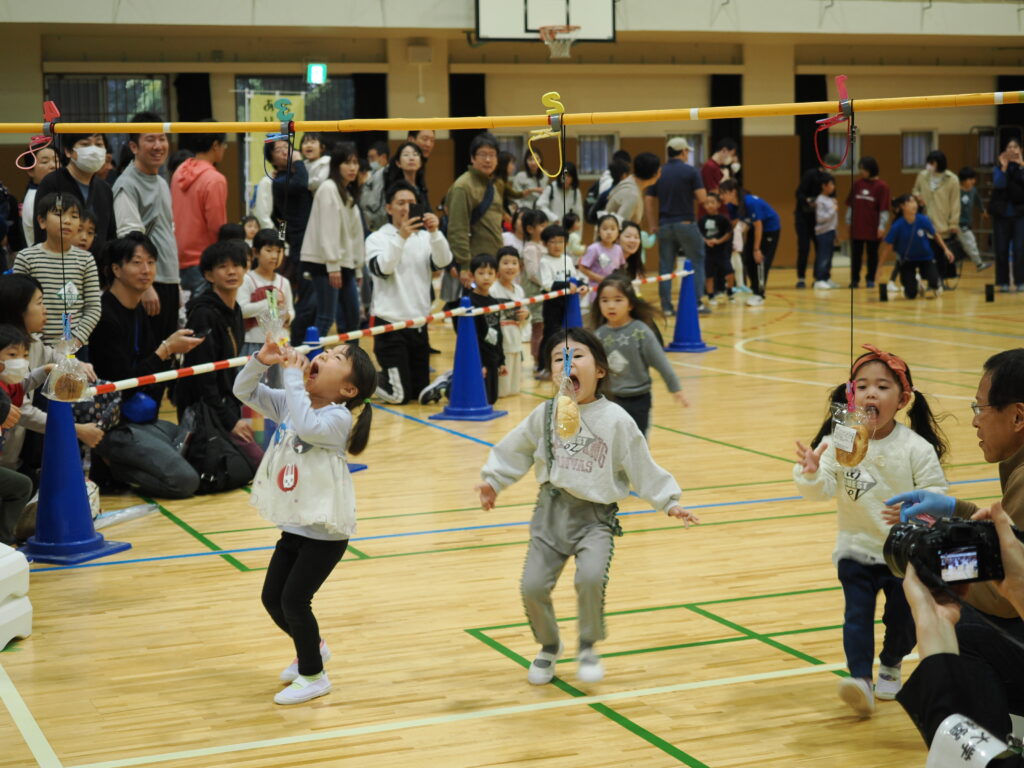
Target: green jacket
{"x": 465, "y": 195}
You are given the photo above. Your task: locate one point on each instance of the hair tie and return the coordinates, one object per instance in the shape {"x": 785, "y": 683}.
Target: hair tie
{"x": 366, "y": 401}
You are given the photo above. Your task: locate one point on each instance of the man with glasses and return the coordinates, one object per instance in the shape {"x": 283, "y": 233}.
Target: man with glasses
{"x": 474, "y": 212}
{"x": 990, "y": 630}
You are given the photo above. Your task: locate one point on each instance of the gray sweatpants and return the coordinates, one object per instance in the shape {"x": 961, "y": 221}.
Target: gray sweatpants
{"x": 969, "y": 243}
{"x": 563, "y": 527}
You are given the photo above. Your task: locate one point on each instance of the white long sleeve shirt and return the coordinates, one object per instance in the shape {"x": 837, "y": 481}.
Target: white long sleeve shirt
{"x": 401, "y": 270}
{"x": 903, "y": 461}
{"x": 600, "y": 464}
{"x": 334, "y": 235}
{"x": 263, "y": 207}
{"x": 556, "y": 269}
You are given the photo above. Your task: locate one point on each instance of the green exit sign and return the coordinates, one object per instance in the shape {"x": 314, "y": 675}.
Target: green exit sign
{"x": 316, "y": 74}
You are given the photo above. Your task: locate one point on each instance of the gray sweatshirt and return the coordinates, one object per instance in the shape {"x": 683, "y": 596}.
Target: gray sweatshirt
{"x": 600, "y": 464}
{"x": 632, "y": 349}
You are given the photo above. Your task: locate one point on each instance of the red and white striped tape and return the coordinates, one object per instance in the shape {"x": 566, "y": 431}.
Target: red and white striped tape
{"x": 327, "y": 341}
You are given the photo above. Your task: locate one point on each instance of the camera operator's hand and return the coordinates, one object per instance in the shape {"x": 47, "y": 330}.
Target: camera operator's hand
{"x": 1012, "y": 551}
{"x": 935, "y": 616}
{"x": 809, "y": 460}
{"x": 923, "y": 502}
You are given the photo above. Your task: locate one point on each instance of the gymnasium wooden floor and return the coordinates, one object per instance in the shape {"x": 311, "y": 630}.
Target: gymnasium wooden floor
{"x": 724, "y": 640}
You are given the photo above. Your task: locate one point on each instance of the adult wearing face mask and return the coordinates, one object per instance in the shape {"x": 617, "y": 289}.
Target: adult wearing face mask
{"x": 371, "y": 200}
{"x": 938, "y": 189}
{"x": 83, "y": 155}
{"x": 723, "y": 164}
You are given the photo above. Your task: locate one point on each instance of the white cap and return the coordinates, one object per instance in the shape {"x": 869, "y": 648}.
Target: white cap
{"x": 678, "y": 144}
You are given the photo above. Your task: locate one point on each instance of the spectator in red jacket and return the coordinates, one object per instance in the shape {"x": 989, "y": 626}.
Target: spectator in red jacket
{"x": 199, "y": 199}
{"x": 867, "y": 215}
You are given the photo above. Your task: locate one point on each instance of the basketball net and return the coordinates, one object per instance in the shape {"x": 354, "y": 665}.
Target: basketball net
{"x": 559, "y": 39}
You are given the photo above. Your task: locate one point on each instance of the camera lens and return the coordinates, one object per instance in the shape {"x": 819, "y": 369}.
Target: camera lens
{"x": 899, "y": 546}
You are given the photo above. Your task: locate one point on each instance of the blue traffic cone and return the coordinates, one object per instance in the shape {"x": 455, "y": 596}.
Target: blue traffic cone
{"x": 64, "y": 531}
{"x": 687, "y": 334}
{"x": 573, "y": 315}
{"x": 313, "y": 337}
{"x": 467, "y": 398}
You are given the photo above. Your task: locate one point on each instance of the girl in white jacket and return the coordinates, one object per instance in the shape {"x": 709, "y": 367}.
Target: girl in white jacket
{"x": 898, "y": 459}
{"x": 332, "y": 250}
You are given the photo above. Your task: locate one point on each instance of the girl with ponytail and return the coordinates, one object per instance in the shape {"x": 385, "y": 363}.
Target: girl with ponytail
{"x": 304, "y": 487}
{"x": 899, "y": 459}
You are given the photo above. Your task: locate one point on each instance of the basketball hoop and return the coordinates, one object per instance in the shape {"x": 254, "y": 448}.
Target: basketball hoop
{"x": 559, "y": 39}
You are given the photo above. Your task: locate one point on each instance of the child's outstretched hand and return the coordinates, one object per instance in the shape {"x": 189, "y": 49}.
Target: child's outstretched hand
{"x": 270, "y": 353}
{"x": 680, "y": 398}
{"x": 809, "y": 459}
{"x": 685, "y": 515}
{"x": 290, "y": 358}
{"x": 487, "y": 496}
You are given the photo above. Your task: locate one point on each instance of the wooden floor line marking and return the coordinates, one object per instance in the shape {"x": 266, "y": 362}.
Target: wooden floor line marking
{"x": 26, "y": 724}
{"x": 422, "y": 722}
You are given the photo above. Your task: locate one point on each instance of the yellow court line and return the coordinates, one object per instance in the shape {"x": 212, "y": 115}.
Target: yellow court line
{"x": 480, "y": 714}
{"x": 26, "y": 724}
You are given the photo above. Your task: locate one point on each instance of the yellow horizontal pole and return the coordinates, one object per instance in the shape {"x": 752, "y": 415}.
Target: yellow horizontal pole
{"x": 533, "y": 121}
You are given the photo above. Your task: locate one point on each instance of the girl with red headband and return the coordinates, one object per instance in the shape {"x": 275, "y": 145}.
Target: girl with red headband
{"x": 899, "y": 459}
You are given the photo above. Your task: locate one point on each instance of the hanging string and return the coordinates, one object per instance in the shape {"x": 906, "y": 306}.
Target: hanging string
{"x": 851, "y": 149}
{"x": 566, "y": 354}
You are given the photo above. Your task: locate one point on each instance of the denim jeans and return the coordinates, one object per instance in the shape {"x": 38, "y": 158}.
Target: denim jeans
{"x": 823, "y": 247}
{"x": 192, "y": 280}
{"x": 673, "y": 238}
{"x": 335, "y": 305}
{"x": 861, "y": 585}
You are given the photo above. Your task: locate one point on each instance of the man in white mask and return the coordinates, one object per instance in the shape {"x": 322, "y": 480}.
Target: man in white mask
{"x": 83, "y": 155}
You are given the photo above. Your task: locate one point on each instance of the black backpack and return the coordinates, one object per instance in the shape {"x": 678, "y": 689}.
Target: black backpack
{"x": 220, "y": 464}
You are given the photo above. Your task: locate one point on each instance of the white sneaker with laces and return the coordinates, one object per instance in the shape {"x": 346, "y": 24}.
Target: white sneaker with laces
{"x": 541, "y": 675}
{"x": 755, "y": 301}
{"x": 303, "y": 689}
{"x": 832, "y": 284}
{"x": 290, "y": 672}
{"x": 856, "y": 692}
{"x": 436, "y": 389}
{"x": 822, "y": 285}
{"x": 589, "y": 667}
{"x": 889, "y": 683}
{"x": 892, "y": 287}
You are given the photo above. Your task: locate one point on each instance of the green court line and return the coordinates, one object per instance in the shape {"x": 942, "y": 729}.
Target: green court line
{"x": 195, "y": 534}
{"x": 651, "y": 738}
{"x": 357, "y": 552}
{"x": 756, "y": 635}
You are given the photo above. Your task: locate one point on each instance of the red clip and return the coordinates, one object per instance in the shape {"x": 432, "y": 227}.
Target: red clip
{"x": 845, "y": 115}
{"x": 50, "y": 116}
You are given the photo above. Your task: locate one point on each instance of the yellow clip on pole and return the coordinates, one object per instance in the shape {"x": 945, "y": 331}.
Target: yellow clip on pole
{"x": 553, "y": 101}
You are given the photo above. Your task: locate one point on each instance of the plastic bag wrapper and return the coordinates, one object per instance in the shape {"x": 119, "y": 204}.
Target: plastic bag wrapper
{"x": 850, "y": 434}
{"x": 67, "y": 382}
{"x": 271, "y": 322}
{"x": 567, "y": 410}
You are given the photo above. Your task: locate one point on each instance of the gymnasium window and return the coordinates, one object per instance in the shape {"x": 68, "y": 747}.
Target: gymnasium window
{"x": 915, "y": 146}
{"x": 107, "y": 98}
{"x": 515, "y": 144}
{"x": 697, "y": 156}
{"x": 837, "y": 142}
{"x": 595, "y": 152}
{"x": 987, "y": 148}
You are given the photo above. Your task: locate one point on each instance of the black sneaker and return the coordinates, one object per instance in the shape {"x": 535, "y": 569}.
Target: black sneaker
{"x": 801, "y": 283}
{"x": 436, "y": 389}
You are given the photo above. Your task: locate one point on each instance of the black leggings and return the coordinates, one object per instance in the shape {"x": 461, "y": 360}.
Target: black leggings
{"x": 769, "y": 242}
{"x": 637, "y": 406}
{"x": 856, "y": 256}
{"x": 297, "y": 569}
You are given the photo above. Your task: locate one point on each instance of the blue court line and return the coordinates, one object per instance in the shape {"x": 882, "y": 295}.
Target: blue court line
{"x": 435, "y": 426}
{"x": 435, "y": 531}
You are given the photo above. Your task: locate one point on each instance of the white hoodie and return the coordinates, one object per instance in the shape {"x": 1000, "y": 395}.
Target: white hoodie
{"x": 903, "y": 461}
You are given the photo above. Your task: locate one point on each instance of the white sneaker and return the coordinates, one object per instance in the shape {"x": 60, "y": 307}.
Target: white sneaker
{"x": 888, "y": 684}
{"x": 589, "y": 667}
{"x": 832, "y": 284}
{"x": 856, "y": 692}
{"x": 303, "y": 689}
{"x": 892, "y": 287}
{"x": 290, "y": 672}
{"x": 822, "y": 285}
{"x": 538, "y": 675}
{"x": 755, "y": 301}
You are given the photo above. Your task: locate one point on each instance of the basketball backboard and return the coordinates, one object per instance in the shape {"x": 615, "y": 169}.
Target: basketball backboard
{"x": 515, "y": 20}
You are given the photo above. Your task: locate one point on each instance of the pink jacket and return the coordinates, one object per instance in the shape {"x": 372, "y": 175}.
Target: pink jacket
{"x": 199, "y": 195}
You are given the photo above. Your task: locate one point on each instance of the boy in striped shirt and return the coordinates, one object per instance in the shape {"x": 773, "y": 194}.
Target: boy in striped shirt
{"x": 67, "y": 273}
